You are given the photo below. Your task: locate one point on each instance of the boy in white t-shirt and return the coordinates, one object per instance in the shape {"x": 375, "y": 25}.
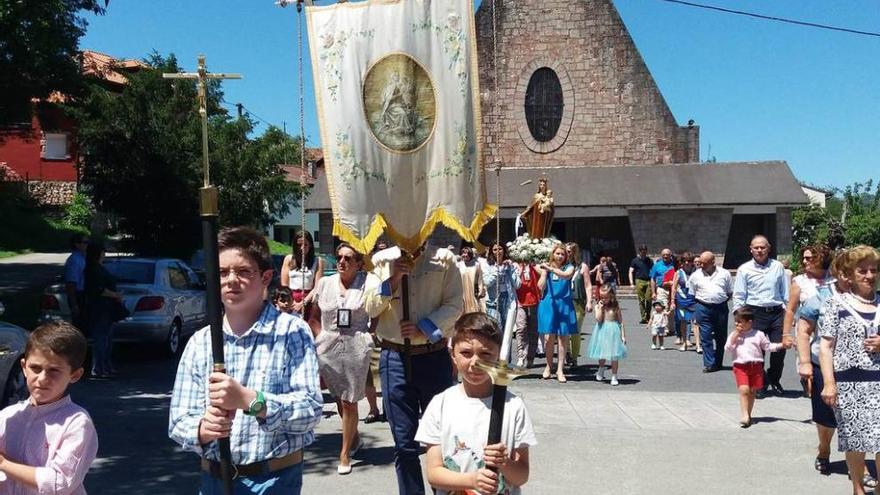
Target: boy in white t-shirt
{"x": 455, "y": 425}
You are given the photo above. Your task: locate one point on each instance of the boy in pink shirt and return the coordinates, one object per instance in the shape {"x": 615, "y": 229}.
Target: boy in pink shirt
{"x": 47, "y": 442}
{"x": 747, "y": 346}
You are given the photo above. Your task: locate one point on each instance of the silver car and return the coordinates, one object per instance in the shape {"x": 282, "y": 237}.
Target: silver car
{"x": 165, "y": 299}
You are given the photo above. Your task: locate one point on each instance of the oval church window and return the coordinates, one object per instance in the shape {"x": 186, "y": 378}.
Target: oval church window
{"x": 544, "y": 104}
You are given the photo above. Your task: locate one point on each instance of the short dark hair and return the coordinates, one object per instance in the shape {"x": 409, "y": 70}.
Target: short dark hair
{"x": 358, "y": 256}
{"x": 78, "y": 238}
{"x": 476, "y": 324}
{"x": 744, "y": 313}
{"x": 250, "y": 242}
{"x": 60, "y": 338}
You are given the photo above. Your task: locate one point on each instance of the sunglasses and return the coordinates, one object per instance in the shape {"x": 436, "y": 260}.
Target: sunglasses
{"x": 346, "y": 257}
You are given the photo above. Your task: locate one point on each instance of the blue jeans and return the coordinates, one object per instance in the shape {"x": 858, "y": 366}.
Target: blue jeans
{"x": 712, "y": 319}
{"x": 100, "y": 330}
{"x": 404, "y": 404}
{"x": 287, "y": 481}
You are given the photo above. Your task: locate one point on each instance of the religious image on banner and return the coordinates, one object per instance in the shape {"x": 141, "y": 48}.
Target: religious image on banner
{"x": 397, "y": 93}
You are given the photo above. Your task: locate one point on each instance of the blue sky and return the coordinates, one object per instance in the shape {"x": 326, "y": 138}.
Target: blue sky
{"x": 759, "y": 90}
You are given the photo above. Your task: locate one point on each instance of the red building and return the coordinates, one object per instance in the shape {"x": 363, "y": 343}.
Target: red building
{"x": 42, "y": 152}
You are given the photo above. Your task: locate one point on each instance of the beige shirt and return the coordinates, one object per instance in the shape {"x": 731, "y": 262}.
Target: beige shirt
{"x": 435, "y": 294}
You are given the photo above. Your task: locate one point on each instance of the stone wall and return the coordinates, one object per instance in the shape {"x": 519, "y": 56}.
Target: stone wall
{"x": 694, "y": 230}
{"x": 783, "y": 231}
{"x": 52, "y": 193}
{"x": 615, "y": 112}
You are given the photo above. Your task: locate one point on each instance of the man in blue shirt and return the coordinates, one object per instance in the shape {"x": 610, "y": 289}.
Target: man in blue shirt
{"x": 268, "y": 401}
{"x": 74, "y": 278}
{"x": 761, "y": 284}
{"x": 659, "y": 292}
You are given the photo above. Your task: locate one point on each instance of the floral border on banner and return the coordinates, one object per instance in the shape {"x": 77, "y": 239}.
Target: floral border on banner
{"x": 344, "y": 156}
{"x": 454, "y": 42}
{"x": 461, "y": 160}
{"x": 334, "y": 50}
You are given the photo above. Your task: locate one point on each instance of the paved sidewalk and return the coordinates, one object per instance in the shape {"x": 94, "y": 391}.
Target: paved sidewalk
{"x": 617, "y": 441}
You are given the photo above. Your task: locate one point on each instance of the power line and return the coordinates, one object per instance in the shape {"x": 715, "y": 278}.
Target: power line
{"x": 772, "y": 18}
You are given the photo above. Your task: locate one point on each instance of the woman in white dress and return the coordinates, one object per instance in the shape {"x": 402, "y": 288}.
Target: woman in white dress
{"x": 849, "y": 356}
{"x": 343, "y": 342}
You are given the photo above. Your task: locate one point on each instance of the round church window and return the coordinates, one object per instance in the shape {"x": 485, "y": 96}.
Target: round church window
{"x": 544, "y": 104}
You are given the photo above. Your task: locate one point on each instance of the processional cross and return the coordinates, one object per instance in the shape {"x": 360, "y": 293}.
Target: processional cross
{"x": 209, "y": 210}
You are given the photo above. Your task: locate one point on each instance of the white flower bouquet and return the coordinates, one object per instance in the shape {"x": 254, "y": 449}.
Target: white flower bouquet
{"x": 527, "y": 250}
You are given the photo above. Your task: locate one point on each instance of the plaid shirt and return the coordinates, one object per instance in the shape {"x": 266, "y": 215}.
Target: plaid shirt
{"x": 276, "y": 356}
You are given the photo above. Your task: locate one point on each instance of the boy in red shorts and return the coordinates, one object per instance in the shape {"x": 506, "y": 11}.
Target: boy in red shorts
{"x": 747, "y": 346}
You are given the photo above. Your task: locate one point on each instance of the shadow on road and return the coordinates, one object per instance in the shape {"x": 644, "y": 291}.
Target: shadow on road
{"x": 130, "y": 413}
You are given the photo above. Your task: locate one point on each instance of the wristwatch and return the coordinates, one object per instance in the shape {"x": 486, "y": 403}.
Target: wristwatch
{"x": 257, "y": 405}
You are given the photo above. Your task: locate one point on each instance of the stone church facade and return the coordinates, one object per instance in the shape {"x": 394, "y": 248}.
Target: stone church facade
{"x": 566, "y": 94}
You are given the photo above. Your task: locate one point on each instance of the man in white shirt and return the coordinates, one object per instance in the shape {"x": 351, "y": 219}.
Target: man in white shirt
{"x": 711, "y": 286}
{"x": 761, "y": 284}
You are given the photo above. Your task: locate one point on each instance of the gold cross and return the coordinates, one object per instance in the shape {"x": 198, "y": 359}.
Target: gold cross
{"x": 208, "y": 192}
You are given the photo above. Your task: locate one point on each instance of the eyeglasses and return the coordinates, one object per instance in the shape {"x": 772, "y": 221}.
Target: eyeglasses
{"x": 346, "y": 257}
{"x": 808, "y": 258}
{"x": 240, "y": 273}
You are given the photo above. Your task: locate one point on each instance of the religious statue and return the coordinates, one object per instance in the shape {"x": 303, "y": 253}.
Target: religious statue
{"x": 539, "y": 214}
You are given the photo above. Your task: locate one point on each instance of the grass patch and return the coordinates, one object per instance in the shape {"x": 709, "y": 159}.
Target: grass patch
{"x": 276, "y": 247}
{"x": 30, "y": 228}
{"x": 9, "y": 254}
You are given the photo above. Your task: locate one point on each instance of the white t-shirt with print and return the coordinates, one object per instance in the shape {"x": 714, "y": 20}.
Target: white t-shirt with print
{"x": 460, "y": 425}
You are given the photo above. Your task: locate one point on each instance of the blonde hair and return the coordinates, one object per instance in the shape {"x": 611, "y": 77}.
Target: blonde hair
{"x": 855, "y": 256}
{"x": 575, "y": 252}
{"x": 556, "y": 246}
{"x": 837, "y": 261}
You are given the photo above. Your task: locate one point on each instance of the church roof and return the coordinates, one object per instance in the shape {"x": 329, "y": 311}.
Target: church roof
{"x": 769, "y": 183}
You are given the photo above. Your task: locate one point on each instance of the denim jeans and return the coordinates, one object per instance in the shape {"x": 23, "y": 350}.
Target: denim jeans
{"x": 712, "y": 319}
{"x": 100, "y": 330}
{"x": 287, "y": 481}
{"x": 404, "y": 404}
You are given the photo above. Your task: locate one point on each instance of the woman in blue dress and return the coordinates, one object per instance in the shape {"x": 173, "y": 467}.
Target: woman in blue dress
{"x": 556, "y": 315}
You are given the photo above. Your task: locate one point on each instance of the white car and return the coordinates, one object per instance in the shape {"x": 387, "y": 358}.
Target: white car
{"x": 164, "y": 296}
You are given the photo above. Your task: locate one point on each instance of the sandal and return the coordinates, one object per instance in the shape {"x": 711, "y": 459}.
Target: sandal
{"x": 822, "y": 465}
{"x": 374, "y": 417}
{"x": 869, "y": 481}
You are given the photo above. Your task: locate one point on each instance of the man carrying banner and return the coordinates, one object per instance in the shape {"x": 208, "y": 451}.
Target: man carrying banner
{"x": 435, "y": 300}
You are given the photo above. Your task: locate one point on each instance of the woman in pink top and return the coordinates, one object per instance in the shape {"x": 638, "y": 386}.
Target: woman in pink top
{"x": 47, "y": 442}
{"x": 747, "y": 347}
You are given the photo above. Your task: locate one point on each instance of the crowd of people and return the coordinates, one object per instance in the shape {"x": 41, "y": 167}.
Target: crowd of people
{"x": 329, "y": 332}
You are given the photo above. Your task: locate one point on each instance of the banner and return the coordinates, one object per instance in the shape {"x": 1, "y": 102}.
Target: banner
{"x": 397, "y": 93}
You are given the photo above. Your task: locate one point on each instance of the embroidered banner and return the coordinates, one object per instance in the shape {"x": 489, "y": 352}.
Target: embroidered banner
{"x": 397, "y": 93}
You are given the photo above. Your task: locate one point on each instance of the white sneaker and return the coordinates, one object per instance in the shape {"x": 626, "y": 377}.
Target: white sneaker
{"x": 614, "y": 381}
{"x": 653, "y": 347}
{"x": 600, "y": 375}
{"x": 520, "y": 363}
{"x": 662, "y": 348}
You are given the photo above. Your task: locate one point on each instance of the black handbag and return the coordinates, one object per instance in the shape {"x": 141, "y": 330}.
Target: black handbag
{"x": 118, "y": 311}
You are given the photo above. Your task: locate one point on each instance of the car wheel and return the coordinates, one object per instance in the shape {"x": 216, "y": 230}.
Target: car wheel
{"x": 172, "y": 342}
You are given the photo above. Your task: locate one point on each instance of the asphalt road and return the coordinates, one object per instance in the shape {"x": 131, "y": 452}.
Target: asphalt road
{"x": 136, "y": 456}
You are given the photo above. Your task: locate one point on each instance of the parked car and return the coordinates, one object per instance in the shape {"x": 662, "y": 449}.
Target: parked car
{"x": 12, "y": 341}
{"x": 164, "y": 296}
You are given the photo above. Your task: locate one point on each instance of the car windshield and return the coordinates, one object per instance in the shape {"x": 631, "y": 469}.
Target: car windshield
{"x": 132, "y": 272}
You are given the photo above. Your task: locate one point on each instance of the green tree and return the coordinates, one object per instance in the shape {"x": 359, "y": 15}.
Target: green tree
{"x": 39, "y": 43}
{"x": 141, "y": 152}
{"x": 253, "y": 189}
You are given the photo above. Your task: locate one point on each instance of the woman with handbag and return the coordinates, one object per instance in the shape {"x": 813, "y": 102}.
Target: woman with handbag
{"x": 103, "y": 308}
